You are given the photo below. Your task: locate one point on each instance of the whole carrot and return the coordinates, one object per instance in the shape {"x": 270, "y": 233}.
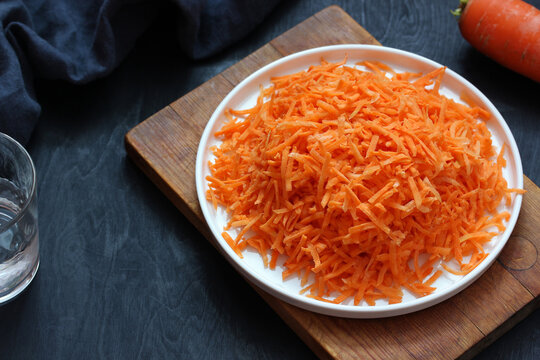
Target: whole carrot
{"x": 508, "y": 31}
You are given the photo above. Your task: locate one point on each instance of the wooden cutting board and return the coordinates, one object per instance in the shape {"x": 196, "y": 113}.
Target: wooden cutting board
{"x": 164, "y": 146}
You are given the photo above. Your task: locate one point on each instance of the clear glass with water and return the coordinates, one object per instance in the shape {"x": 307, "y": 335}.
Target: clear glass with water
{"x": 19, "y": 239}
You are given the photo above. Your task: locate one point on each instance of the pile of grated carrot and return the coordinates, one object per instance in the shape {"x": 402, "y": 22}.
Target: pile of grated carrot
{"x": 363, "y": 182}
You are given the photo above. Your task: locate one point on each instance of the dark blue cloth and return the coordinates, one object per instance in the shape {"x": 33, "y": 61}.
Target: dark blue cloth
{"x": 79, "y": 41}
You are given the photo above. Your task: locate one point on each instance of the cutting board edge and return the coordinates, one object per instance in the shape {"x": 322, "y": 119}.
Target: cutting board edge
{"x": 502, "y": 329}
{"x": 143, "y": 164}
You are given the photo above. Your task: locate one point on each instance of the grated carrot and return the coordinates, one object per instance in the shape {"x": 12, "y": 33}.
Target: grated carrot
{"x": 355, "y": 176}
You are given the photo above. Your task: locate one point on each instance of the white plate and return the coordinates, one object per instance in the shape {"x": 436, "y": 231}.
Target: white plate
{"x": 244, "y": 96}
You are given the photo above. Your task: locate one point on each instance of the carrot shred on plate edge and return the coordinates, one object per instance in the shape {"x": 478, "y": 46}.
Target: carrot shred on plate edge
{"x": 362, "y": 181}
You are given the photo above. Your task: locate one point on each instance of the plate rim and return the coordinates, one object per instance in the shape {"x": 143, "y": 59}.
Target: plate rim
{"x": 352, "y": 311}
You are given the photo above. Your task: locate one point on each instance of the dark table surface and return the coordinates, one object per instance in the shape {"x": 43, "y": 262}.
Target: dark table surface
{"x": 123, "y": 274}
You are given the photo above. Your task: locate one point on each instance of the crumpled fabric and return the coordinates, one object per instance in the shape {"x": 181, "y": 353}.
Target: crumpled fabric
{"x": 80, "y": 41}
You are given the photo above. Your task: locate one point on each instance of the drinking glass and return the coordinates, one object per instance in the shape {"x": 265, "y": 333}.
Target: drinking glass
{"x": 19, "y": 240}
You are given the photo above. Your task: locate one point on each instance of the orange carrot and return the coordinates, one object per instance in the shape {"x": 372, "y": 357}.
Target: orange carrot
{"x": 508, "y": 31}
{"x": 362, "y": 182}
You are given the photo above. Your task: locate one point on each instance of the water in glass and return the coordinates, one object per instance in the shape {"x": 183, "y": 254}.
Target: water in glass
{"x": 18, "y": 239}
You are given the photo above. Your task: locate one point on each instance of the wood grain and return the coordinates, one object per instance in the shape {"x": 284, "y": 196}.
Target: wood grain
{"x": 520, "y": 256}
{"x": 331, "y": 26}
{"x": 164, "y": 147}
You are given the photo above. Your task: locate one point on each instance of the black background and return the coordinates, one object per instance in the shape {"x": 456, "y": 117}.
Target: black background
{"x": 123, "y": 274}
